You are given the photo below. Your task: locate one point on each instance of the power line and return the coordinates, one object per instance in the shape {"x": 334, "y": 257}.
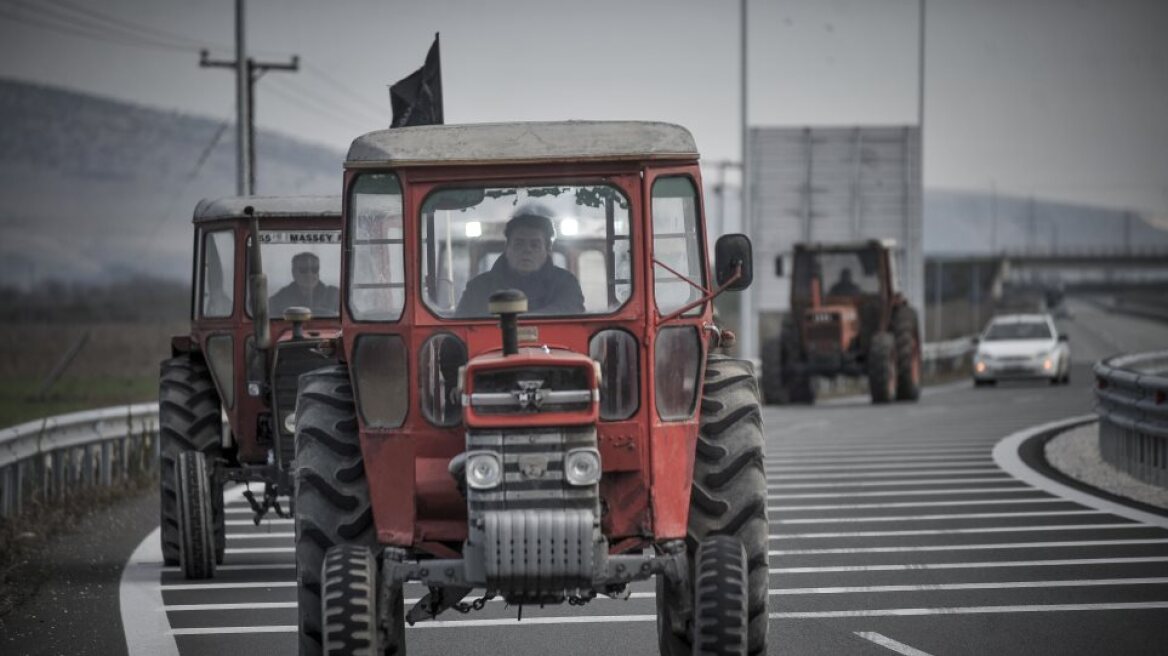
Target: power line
{"x": 331, "y": 81}
{"x": 352, "y": 112}
{"x": 132, "y": 26}
{"x": 299, "y": 101}
{"x": 64, "y": 25}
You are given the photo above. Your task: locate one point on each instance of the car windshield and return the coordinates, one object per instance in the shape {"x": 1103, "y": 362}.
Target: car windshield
{"x": 565, "y": 246}
{"x": 1017, "y": 330}
{"x": 303, "y": 269}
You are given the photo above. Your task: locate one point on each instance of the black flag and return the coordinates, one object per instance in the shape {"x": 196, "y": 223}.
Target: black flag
{"x": 417, "y": 99}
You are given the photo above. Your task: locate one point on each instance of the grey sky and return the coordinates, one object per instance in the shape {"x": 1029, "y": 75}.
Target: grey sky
{"x": 1060, "y": 98}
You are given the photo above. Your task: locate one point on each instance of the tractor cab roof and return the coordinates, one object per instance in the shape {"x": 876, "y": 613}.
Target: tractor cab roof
{"x": 274, "y": 207}
{"x": 509, "y": 143}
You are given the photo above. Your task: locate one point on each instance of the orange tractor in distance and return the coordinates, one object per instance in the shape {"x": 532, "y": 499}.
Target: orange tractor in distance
{"x": 847, "y": 318}
{"x": 527, "y": 403}
{"x": 228, "y": 391}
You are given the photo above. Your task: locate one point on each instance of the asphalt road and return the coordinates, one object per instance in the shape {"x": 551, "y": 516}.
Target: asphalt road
{"x": 893, "y": 531}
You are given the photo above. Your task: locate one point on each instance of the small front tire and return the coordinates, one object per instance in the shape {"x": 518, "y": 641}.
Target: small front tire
{"x": 720, "y": 597}
{"x": 195, "y": 519}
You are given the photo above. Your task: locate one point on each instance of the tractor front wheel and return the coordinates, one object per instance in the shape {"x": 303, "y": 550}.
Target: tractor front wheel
{"x": 882, "y": 368}
{"x": 797, "y": 384}
{"x": 189, "y": 419}
{"x": 331, "y": 495}
{"x": 728, "y": 498}
{"x": 908, "y": 354}
{"x": 720, "y": 597}
{"x": 350, "y": 604}
{"x": 192, "y": 483}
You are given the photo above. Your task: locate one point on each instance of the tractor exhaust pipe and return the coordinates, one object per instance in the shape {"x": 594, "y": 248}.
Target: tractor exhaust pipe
{"x": 508, "y": 304}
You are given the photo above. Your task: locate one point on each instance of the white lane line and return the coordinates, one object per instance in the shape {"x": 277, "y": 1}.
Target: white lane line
{"x": 889, "y": 643}
{"x": 917, "y": 504}
{"x": 167, "y": 587}
{"x": 970, "y": 610}
{"x": 981, "y": 455}
{"x": 1004, "y": 478}
{"x": 866, "y": 446}
{"x": 957, "y": 531}
{"x": 255, "y": 605}
{"x": 900, "y": 473}
{"x": 138, "y": 596}
{"x": 988, "y": 585}
{"x": 964, "y": 547}
{"x": 905, "y": 493}
{"x": 260, "y": 550}
{"x": 986, "y": 565}
{"x": 1006, "y": 455}
{"x": 232, "y": 630}
{"x": 287, "y": 535}
{"x": 929, "y": 518}
{"x": 266, "y": 522}
{"x": 869, "y": 465}
{"x": 242, "y": 568}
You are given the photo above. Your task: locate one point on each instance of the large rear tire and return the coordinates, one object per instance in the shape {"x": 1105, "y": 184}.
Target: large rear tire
{"x": 720, "y": 598}
{"x": 908, "y": 353}
{"x": 192, "y": 483}
{"x": 728, "y": 498}
{"x": 882, "y": 368}
{"x": 189, "y": 419}
{"x": 331, "y": 495}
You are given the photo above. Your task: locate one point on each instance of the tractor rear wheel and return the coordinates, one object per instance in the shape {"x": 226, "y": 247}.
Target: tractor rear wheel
{"x": 720, "y": 597}
{"x": 728, "y": 498}
{"x": 192, "y": 483}
{"x": 882, "y": 368}
{"x": 189, "y": 419}
{"x": 908, "y": 354}
{"x": 797, "y": 385}
{"x": 331, "y": 495}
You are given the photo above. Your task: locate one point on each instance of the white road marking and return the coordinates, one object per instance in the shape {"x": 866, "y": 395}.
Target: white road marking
{"x": 988, "y": 585}
{"x": 889, "y": 643}
{"x": 904, "y": 493}
{"x": 225, "y": 630}
{"x": 167, "y": 587}
{"x": 918, "y": 504}
{"x": 287, "y": 535}
{"x": 1006, "y": 455}
{"x": 980, "y": 455}
{"x": 139, "y": 596}
{"x": 241, "y": 568}
{"x": 986, "y": 565}
{"x": 260, "y": 550}
{"x": 929, "y": 518}
{"x": 255, "y": 605}
{"x": 868, "y": 464}
{"x": 964, "y": 547}
{"x": 956, "y": 531}
{"x": 970, "y": 610}
{"x": 266, "y": 522}
{"x": 1004, "y": 478}
{"x": 900, "y": 473}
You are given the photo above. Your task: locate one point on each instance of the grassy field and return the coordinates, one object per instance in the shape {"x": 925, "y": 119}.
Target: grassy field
{"x": 117, "y": 365}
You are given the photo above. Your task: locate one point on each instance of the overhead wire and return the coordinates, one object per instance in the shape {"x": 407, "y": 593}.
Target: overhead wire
{"x": 335, "y": 84}
{"x": 326, "y": 101}
{"x": 45, "y": 18}
{"x": 301, "y": 103}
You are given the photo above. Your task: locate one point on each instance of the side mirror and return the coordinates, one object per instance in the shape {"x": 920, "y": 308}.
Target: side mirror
{"x": 730, "y": 252}
{"x": 1063, "y": 337}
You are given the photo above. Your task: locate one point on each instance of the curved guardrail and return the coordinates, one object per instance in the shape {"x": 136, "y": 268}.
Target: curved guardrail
{"x": 1132, "y": 395}
{"x": 51, "y": 458}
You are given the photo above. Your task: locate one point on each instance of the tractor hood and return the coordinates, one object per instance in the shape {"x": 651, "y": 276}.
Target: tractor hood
{"x": 538, "y": 386}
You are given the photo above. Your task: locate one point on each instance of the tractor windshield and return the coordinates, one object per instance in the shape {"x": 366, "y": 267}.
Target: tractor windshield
{"x": 303, "y": 269}
{"x": 565, "y": 246}
{"x": 839, "y": 274}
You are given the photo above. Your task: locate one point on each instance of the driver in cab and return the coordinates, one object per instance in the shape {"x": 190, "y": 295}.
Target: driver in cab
{"x": 526, "y": 265}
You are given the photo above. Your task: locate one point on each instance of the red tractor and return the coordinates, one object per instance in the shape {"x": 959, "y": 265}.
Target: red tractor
{"x": 527, "y": 403}
{"x": 228, "y": 391}
{"x": 847, "y": 318}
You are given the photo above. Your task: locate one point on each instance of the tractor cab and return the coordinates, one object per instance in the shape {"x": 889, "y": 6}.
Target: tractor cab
{"x": 526, "y": 376}
{"x": 265, "y": 306}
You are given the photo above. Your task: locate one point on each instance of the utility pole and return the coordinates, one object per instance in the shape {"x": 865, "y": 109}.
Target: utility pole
{"x": 749, "y": 327}
{"x": 247, "y": 71}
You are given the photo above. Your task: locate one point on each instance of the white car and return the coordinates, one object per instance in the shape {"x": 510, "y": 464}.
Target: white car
{"x": 1018, "y": 346}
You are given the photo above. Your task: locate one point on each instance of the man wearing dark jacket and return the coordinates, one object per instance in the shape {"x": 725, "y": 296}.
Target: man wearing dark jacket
{"x": 526, "y": 265}
{"x": 306, "y": 290}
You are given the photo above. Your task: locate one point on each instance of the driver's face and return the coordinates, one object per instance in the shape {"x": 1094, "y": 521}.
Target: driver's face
{"x": 526, "y": 249}
{"x": 306, "y": 273}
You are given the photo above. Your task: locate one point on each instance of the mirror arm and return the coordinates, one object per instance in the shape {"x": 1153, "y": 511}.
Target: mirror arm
{"x": 707, "y": 296}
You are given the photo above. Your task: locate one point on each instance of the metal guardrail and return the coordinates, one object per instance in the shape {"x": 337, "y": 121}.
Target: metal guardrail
{"x": 1132, "y": 396}
{"x": 50, "y": 458}
{"x": 946, "y": 356}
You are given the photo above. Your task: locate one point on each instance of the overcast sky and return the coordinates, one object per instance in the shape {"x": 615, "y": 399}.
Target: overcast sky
{"x": 1063, "y": 99}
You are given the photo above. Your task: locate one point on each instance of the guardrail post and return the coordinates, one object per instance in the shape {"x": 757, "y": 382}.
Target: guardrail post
{"x": 5, "y": 495}
{"x": 107, "y": 463}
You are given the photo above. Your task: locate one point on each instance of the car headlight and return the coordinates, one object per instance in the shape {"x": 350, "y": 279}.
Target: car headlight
{"x": 483, "y": 470}
{"x": 582, "y": 467}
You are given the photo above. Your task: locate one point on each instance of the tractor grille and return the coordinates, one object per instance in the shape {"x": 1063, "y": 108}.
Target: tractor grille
{"x": 533, "y": 469}
{"x": 292, "y": 360}
{"x": 532, "y": 389}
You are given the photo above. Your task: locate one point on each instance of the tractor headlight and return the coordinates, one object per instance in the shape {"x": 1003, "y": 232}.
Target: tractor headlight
{"x": 483, "y": 470}
{"x": 290, "y": 422}
{"x": 582, "y": 467}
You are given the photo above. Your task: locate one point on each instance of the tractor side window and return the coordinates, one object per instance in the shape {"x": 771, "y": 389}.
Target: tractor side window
{"x": 218, "y": 284}
{"x": 376, "y": 270}
{"x": 678, "y": 271}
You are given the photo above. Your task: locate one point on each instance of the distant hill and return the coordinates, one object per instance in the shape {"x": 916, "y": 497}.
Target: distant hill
{"x": 101, "y": 190}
